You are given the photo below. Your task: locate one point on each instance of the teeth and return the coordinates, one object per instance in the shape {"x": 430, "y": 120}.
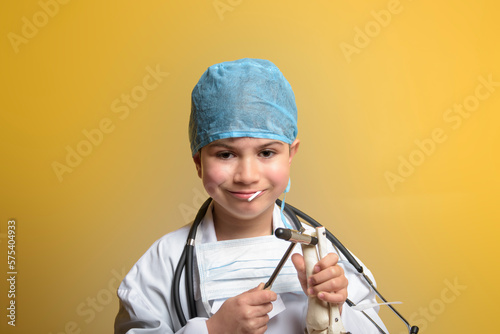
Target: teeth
{"x": 254, "y": 195}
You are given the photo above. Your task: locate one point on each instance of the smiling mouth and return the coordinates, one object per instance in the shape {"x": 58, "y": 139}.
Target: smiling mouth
{"x": 246, "y": 195}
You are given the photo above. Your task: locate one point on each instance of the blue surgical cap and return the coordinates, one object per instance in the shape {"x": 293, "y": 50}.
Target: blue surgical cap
{"x": 242, "y": 98}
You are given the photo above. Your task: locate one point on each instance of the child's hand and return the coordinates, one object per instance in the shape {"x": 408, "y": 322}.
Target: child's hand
{"x": 328, "y": 281}
{"x": 244, "y": 314}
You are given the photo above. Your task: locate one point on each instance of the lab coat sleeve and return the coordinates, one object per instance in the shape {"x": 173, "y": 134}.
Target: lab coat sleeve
{"x": 136, "y": 317}
{"x": 359, "y": 293}
{"x": 146, "y": 305}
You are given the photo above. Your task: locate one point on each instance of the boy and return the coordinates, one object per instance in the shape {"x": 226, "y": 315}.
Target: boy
{"x": 242, "y": 130}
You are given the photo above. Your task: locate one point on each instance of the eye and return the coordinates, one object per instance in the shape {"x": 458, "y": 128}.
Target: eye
{"x": 266, "y": 153}
{"x": 224, "y": 155}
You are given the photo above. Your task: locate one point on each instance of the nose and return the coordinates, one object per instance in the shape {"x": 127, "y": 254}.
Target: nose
{"x": 247, "y": 171}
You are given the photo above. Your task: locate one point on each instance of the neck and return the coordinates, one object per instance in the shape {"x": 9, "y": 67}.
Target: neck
{"x": 228, "y": 227}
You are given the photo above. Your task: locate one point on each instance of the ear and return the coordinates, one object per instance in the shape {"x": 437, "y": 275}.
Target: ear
{"x": 294, "y": 147}
{"x": 197, "y": 162}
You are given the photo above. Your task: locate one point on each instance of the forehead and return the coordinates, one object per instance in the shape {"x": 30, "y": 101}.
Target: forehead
{"x": 245, "y": 142}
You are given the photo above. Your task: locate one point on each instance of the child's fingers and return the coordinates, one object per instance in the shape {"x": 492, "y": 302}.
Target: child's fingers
{"x": 332, "y": 285}
{"x": 326, "y": 275}
{"x": 258, "y": 287}
{"x": 299, "y": 263}
{"x": 259, "y": 296}
{"x": 332, "y": 297}
{"x": 300, "y": 266}
{"x": 329, "y": 260}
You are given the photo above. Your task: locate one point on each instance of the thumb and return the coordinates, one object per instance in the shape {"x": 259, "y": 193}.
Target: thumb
{"x": 257, "y": 288}
{"x": 300, "y": 266}
{"x": 299, "y": 263}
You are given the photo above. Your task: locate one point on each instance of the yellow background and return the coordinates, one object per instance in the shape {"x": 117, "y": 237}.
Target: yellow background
{"x": 359, "y": 114}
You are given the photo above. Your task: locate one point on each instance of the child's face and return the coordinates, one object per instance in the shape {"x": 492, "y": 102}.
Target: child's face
{"x": 233, "y": 169}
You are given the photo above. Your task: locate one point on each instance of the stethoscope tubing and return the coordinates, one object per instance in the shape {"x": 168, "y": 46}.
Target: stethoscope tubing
{"x": 186, "y": 262}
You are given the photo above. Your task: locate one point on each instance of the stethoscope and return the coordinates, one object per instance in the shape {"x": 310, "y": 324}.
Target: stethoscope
{"x": 186, "y": 262}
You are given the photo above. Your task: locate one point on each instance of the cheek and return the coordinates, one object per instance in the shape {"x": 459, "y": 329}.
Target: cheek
{"x": 213, "y": 176}
{"x": 279, "y": 175}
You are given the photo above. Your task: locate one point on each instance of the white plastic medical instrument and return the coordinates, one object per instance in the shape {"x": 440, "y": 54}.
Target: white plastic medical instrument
{"x": 254, "y": 195}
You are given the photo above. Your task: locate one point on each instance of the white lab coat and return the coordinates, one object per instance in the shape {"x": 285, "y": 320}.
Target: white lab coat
{"x": 146, "y": 303}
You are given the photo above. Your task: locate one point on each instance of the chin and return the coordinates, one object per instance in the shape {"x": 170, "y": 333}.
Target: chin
{"x": 245, "y": 210}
